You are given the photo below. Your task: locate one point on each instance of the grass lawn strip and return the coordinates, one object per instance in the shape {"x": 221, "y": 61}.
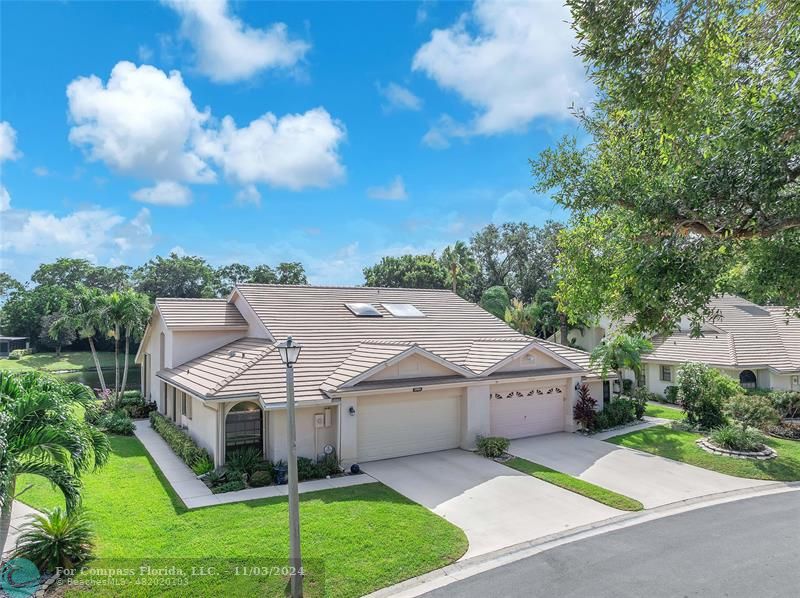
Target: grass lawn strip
{"x": 680, "y": 445}
{"x": 573, "y": 484}
{"x": 69, "y": 361}
{"x": 664, "y": 412}
{"x": 355, "y": 540}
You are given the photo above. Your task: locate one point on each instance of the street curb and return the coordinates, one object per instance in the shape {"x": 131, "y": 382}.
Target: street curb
{"x": 473, "y": 566}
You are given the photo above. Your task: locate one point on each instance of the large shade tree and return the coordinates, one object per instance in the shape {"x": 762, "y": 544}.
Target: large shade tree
{"x": 693, "y": 159}
{"x": 175, "y": 276}
{"x": 407, "y": 271}
{"x": 43, "y": 432}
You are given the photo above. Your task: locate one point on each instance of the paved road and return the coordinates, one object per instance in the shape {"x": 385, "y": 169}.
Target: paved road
{"x": 743, "y": 549}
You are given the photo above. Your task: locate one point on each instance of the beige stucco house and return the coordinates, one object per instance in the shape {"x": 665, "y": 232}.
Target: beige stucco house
{"x": 383, "y": 372}
{"x": 757, "y": 345}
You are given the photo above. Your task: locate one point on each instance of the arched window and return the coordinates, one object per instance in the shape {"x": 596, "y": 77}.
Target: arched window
{"x": 243, "y": 427}
{"x": 747, "y": 379}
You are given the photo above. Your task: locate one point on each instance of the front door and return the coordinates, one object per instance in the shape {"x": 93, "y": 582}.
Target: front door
{"x": 606, "y": 392}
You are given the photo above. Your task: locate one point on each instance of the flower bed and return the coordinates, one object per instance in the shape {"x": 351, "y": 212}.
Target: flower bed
{"x": 762, "y": 455}
{"x": 786, "y": 429}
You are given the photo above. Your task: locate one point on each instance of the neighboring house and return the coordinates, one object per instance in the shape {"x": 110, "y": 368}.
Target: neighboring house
{"x": 382, "y": 373}
{"x": 757, "y": 345}
{"x": 11, "y": 343}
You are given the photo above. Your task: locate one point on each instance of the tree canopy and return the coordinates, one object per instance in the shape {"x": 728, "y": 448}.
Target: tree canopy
{"x": 692, "y": 162}
{"x": 409, "y": 271}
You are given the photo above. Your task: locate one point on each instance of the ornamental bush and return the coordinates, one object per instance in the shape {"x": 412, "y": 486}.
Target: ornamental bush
{"x": 116, "y": 422}
{"x": 492, "y": 446}
{"x": 260, "y": 478}
{"x": 671, "y": 395}
{"x": 703, "y": 392}
{"x": 787, "y": 403}
{"x": 737, "y": 438}
{"x": 178, "y": 440}
{"x": 585, "y": 410}
{"x": 751, "y": 411}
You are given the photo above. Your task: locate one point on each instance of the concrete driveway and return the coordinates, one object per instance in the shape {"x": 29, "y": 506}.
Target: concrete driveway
{"x": 495, "y": 505}
{"x": 652, "y": 480}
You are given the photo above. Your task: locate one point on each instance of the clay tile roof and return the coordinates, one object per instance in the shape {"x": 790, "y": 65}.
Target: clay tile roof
{"x": 200, "y": 313}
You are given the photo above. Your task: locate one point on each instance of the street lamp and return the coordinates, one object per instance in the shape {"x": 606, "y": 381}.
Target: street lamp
{"x": 289, "y": 352}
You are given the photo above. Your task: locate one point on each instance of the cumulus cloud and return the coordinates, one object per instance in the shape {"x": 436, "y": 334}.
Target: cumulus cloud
{"x": 395, "y": 190}
{"x": 248, "y": 195}
{"x": 164, "y": 193}
{"x": 8, "y": 142}
{"x": 228, "y": 50}
{"x": 5, "y": 199}
{"x": 294, "y": 151}
{"x": 398, "y": 97}
{"x": 141, "y": 122}
{"x": 511, "y": 60}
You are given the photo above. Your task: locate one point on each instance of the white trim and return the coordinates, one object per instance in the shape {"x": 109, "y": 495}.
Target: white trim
{"x": 412, "y": 350}
{"x": 533, "y": 345}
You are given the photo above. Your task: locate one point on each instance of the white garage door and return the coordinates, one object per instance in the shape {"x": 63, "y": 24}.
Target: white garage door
{"x": 527, "y": 411}
{"x": 407, "y": 424}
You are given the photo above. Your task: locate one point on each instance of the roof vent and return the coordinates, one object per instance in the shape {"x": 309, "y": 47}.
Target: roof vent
{"x": 231, "y": 353}
{"x": 403, "y": 310}
{"x": 363, "y": 310}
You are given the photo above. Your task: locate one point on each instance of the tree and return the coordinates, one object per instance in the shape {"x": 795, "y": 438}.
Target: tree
{"x": 134, "y": 312}
{"x": 751, "y": 411}
{"x": 407, "y": 271}
{"x": 462, "y": 269}
{"x": 175, "y": 276}
{"x": 88, "y": 314}
{"x": 263, "y": 274}
{"x": 693, "y": 161}
{"x": 703, "y": 392}
{"x": 56, "y": 332}
{"x": 24, "y": 309}
{"x": 8, "y": 285}
{"x": 520, "y": 317}
{"x": 545, "y": 313}
{"x": 69, "y": 273}
{"x": 291, "y": 273}
{"x": 620, "y": 352}
{"x": 229, "y": 276}
{"x": 495, "y": 300}
{"x": 44, "y": 433}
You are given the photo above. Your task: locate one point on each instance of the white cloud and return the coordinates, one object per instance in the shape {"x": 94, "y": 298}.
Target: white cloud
{"x": 228, "y": 50}
{"x": 5, "y": 199}
{"x": 398, "y": 97}
{"x": 445, "y": 129}
{"x": 145, "y": 53}
{"x": 511, "y": 60}
{"x": 8, "y": 142}
{"x": 395, "y": 190}
{"x": 248, "y": 195}
{"x": 164, "y": 193}
{"x": 294, "y": 151}
{"x": 41, "y": 171}
{"x": 179, "y": 251}
{"x": 141, "y": 123}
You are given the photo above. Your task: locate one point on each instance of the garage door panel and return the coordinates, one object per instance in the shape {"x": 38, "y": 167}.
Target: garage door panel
{"x": 527, "y": 411}
{"x": 401, "y": 425}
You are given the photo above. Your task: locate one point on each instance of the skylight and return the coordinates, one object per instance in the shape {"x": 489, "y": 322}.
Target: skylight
{"x": 403, "y": 310}
{"x": 363, "y": 310}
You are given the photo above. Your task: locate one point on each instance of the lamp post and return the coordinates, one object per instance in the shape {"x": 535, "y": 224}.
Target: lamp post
{"x": 289, "y": 352}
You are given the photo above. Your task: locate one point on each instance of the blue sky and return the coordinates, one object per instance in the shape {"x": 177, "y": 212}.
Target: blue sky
{"x": 330, "y": 132}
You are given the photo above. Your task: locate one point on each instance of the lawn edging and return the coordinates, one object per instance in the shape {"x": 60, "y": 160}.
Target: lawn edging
{"x": 576, "y": 485}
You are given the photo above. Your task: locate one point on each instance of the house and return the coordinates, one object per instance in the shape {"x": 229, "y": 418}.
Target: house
{"x": 382, "y": 373}
{"x": 11, "y": 343}
{"x": 757, "y": 345}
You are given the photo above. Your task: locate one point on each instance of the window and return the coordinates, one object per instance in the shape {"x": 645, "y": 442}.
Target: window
{"x": 747, "y": 379}
{"x": 243, "y": 427}
{"x": 363, "y": 310}
{"x": 403, "y": 310}
{"x": 186, "y": 405}
{"x": 666, "y": 373}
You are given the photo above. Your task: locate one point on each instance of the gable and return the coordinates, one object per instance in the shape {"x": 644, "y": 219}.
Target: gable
{"x": 412, "y": 366}
{"x": 535, "y": 359}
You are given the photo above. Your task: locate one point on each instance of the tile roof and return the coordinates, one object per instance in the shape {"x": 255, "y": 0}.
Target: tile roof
{"x": 750, "y": 336}
{"x": 339, "y": 346}
{"x": 200, "y": 313}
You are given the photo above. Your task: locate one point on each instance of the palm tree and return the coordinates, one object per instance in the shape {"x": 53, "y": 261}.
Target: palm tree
{"x": 43, "y": 432}
{"x": 622, "y": 351}
{"x": 520, "y": 317}
{"x": 134, "y": 311}
{"x": 88, "y": 314}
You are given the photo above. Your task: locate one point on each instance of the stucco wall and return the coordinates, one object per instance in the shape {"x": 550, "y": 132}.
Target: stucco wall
{"x": 203, "y": 426}
{"x": 413, "y": 366}
{"x": 533, "y": 360}
{"x": 188, "y": 345}
{"x": 309, "y": 444}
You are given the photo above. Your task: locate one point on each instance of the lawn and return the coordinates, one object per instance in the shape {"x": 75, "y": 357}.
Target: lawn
{"x": 573, "y": 484}
{"x": 355, "y": 540}
{"x": 680, "y": 446}
{"x": 77, "y": 360}
{"x": 664, "y": 412}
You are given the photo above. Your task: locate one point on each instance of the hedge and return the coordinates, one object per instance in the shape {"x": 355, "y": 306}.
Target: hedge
{"x": 178, "y": 440}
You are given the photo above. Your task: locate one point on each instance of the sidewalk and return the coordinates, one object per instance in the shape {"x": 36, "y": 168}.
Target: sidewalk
{"x": 196, "y": 494}
{"x": 20, "y": 513}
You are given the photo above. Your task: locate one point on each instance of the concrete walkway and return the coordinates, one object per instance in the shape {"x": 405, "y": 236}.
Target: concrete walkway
{"x": 647, "y": 422}
{"x": 20, "y": 515}
{"x": 650, "y": 479}
{"x": 195, "y": 493}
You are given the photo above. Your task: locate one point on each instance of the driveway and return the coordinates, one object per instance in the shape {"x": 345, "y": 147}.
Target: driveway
{"x": 652, "y": 480}
{"x": 495, "y": 505}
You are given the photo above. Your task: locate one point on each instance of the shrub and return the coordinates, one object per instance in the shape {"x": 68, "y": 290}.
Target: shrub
{"x": 492, "y": 446}
{"x": 116, "y": 422}
{"x": 56, "y": 539}
{"x": 620, "y": 411}
{"x": 702, "y": 392}
{"x": 308, "y": 470}
{"x": 260, "y": 478}
{"x": 751, "y": 411}
{"x": 627, "y": 386}
{"x": 787, "y": 403}
{"x": 329, "y": 465}
{"x": 217, "y": 477}
{"x": 640, "y": 398}
{"x": 585, "y": 410}
{"x": 737, "y": 438}
{"x": 17, "y": 353}
{"x": 244, "y": 460}
{"x": 784, "y": 431}
{"x": 202, "y": 465}
{"x": 178, "y": 440}
{"x": 602, "y": 421}
{"x": 231, "y": 486}
{"x": 671, "y": 395}
{"x": 135, "y": 405}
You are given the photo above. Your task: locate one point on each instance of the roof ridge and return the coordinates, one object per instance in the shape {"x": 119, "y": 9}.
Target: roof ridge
{"x": 191, "y": 299}
{"x": 260, "y": 353}
{"x": 333, "y": 286}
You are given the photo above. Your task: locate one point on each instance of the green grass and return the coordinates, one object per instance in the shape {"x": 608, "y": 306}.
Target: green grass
{"x": 680, "y": 446}
{"x": 77, "y": 360}
{"x": 664, "y": 412}
{"x": 573, "y": 484}
{"x": 355, "y": 540}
